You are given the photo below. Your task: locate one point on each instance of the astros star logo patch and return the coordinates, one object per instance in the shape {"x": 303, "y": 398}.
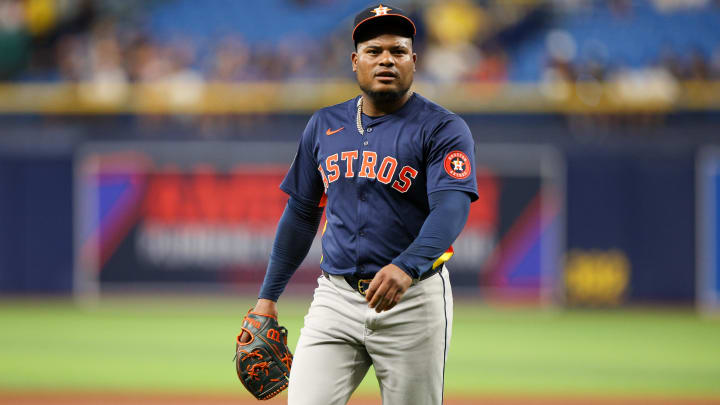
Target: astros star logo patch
{"x": 381, "y": 10}
{"x": 457, "y": 165}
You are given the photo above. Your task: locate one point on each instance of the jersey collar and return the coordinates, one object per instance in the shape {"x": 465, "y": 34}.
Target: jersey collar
{"x": 401, "y": 112}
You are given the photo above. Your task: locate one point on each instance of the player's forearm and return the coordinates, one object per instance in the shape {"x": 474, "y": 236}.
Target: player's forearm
{"x": 295, "y": 233}
{"x": 448, "y": 214}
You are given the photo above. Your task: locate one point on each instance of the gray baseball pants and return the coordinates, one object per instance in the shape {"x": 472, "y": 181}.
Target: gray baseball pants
{"x": 342, "y": 337}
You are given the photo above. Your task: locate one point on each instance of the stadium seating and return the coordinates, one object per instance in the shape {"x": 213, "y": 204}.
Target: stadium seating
{"x": 270, "y": 22}
{"x": 633, "y": 39}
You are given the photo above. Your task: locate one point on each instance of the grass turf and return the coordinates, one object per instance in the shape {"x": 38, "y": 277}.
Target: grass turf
{"x": 185, "y": 344}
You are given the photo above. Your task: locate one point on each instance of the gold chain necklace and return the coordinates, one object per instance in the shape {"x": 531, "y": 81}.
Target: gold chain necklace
{"x": 358, "y": 118}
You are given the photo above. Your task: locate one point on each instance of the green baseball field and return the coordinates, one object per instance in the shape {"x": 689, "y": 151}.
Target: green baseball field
{"x": 179, "y": 349}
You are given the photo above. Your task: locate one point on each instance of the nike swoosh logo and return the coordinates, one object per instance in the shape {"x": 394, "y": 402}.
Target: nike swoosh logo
{"x": 329, "y": 132}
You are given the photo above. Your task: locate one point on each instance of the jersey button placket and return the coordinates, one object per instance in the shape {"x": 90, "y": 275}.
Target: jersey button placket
{"x": 361, "y": 207}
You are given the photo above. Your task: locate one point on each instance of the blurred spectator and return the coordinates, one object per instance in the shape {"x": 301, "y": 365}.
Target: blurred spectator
{"x": 561, "y": 49}
{"x": 715, "y": 63}
{"x": 184, "y": 83}
{"x": 107, "y": 45}
{"x": 153, "y": 62}
{"x": 646, "y": 87}
{"x": 41, "y": 15}
{"x": 453, "y": 24}
{"x": 14, "y": 41}
{"x": 670, "y": 60}
{"x": 232, "y": 59}
{"x": 71, "y": 58}
{"x": 336, "y": 62}
{"x": 698, "y": 68}
{"x": 559, "y": 71}
{"x": 620, "y": 8}
{"x": 492, "y": 66}
{"x": 594, "y": 62}
{"x": 105, "y": 72}
{"x": 451, "y": 62}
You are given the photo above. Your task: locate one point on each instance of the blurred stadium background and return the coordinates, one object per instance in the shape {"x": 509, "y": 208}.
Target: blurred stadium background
{"x": 142, "y": 143}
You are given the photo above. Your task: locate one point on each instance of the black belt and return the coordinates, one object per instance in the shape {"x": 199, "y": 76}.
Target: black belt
{"x": 361, "y": 283}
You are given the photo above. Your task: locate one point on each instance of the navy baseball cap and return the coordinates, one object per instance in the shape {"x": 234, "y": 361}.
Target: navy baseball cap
{"x": 383, "y": 16}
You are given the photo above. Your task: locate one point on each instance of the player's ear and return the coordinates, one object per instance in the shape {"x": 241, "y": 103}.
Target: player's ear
{"x": 414, "y": 61}
{"x": 354, "y": 59}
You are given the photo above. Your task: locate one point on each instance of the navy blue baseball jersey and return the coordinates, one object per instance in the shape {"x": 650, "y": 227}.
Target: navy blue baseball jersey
{"x": 375, "y": 185}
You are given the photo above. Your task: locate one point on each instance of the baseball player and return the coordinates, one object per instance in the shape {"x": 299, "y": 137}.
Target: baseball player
{"x": 393, "y": 172}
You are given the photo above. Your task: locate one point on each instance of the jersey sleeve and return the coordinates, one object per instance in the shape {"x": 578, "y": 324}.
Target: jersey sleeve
{"x": 304, "y": 181}
{"x": 451, "y": 158}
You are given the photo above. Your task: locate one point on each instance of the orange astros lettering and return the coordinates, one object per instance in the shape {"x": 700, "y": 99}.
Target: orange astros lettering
{"x": 387, "y": 169}
{"x": 349, "y": 157}
{"x": 406, "y": 174}
{"x": 369, "y": 169}
{"x": 331, "y": 164}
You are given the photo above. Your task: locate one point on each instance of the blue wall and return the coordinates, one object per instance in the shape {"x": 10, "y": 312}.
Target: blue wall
{"x": 35, "y": 224}
{"x": 632, "y": 193}
{"x": 642, "y": 203}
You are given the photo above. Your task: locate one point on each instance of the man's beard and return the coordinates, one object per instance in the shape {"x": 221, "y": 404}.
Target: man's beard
{"x": 384, "y": 97}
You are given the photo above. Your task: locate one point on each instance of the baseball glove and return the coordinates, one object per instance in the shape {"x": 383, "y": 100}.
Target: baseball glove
{"x": 263, "y": 363}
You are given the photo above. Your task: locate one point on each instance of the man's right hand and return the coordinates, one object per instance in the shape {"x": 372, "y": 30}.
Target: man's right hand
{"x": 265, "y": 307}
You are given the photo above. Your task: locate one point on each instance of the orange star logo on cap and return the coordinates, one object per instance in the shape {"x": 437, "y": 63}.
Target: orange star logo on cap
{"x": 381, "y": 10}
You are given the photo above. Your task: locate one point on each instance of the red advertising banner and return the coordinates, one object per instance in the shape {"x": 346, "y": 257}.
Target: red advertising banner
{"x": 170, "y": 214}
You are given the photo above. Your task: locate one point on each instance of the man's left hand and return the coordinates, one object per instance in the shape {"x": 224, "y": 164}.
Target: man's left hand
{"x": 387, "y": 287}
